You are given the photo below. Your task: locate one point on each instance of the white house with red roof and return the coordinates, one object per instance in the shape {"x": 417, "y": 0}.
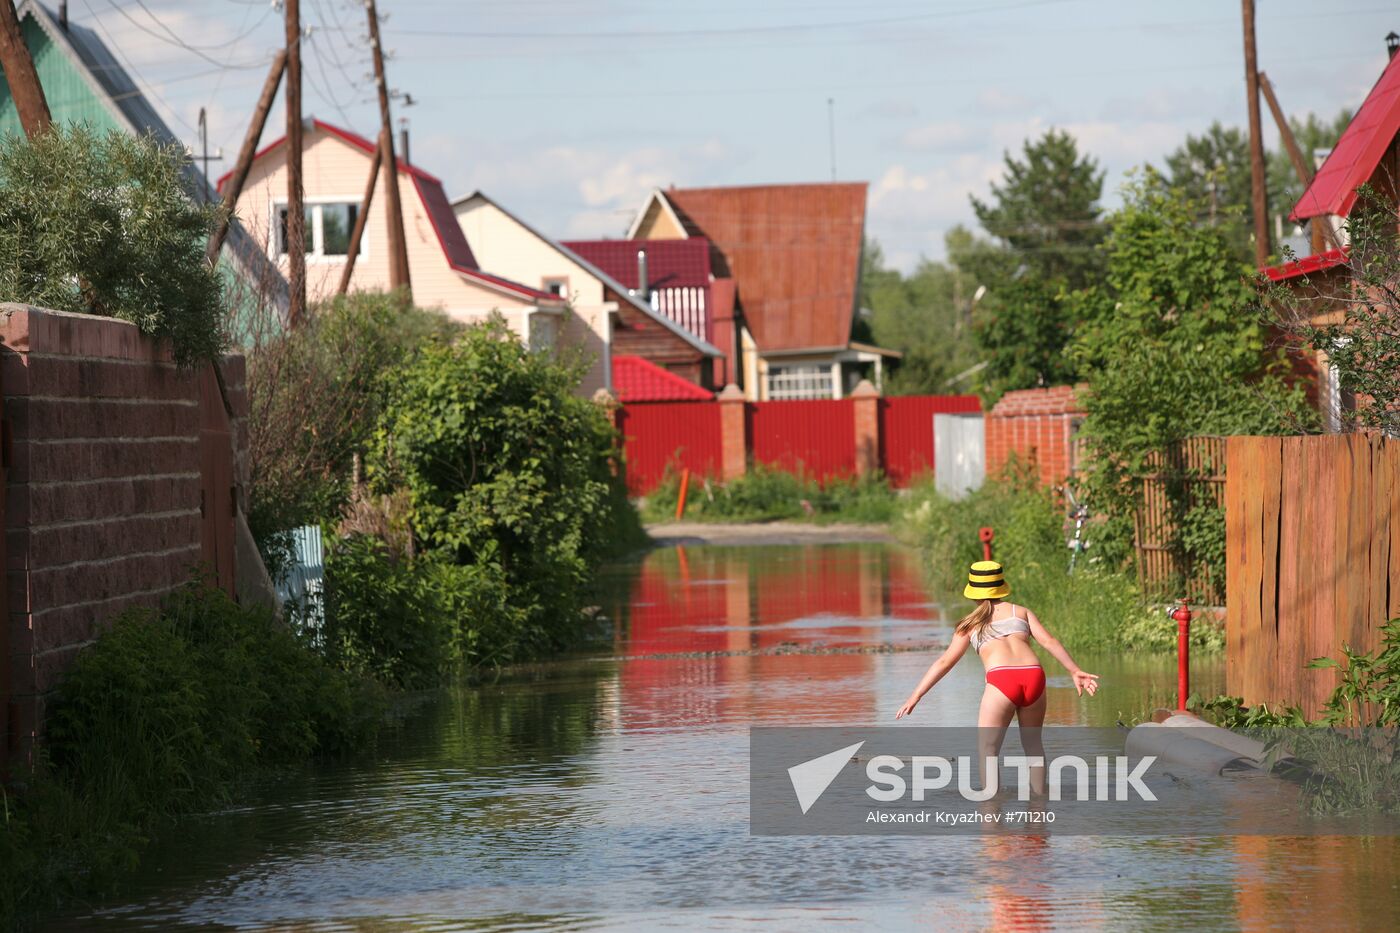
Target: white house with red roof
{"x": 606, "y": 316}
{"x": 1368, "y": 153}
{"x": 444, "y": 271}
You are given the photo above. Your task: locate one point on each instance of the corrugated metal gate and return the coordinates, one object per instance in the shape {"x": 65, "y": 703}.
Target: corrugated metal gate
{"x": 906, "y": 432}
{"x": 658, "y": 435}
{"x": 814, "y": 438}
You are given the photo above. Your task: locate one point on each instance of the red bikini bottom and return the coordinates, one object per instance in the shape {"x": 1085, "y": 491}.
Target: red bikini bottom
{"x": 1023, "y": 683}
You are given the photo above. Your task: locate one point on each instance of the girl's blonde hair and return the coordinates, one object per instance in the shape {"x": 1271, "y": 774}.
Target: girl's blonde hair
{"x": 975, "y": 621}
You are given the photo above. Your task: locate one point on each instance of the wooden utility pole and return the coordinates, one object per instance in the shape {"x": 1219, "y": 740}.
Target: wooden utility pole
{"x": 1259, "y": 192}
{"x": 1322, "y": 233}
{"x": 296, "y": 212}
{"x": 23, "y": 80}
{"x": 361, "y": 218}
{"x": 1290, "y": 145}
{"x": 398, "y": 244}
{"x": 245, "y": 155}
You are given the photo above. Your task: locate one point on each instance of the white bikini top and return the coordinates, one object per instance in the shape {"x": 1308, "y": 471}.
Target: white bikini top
{"x": 1000, "y": 629}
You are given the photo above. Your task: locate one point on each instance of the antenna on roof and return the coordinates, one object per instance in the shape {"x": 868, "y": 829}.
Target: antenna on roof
{"x": 831, "y": 132}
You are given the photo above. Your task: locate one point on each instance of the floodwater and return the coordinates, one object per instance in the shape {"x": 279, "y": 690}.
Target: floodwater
{"x": 610, "y": 792}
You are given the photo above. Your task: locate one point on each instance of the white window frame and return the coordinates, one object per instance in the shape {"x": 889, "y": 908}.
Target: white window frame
{"x": 800, "y": 382}
{"x": 316, "y": 231}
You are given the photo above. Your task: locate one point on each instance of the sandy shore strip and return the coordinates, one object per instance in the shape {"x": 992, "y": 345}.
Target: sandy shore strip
{"x": 669, "y": 534}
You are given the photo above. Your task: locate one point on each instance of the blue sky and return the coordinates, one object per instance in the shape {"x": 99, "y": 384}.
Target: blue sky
{"x": 569, "y": 111}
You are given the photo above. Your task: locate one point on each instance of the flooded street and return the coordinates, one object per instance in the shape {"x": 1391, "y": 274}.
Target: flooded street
{"x": 611, "y": 792}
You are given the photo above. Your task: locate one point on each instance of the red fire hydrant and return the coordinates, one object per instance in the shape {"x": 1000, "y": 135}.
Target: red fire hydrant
{"x": 986, "y": 534}
{"x": 1182, "y": 615}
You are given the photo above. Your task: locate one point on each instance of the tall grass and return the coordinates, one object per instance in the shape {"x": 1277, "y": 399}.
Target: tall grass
{"x": 1096, "y": 607}
{"x": 766, "y": 494}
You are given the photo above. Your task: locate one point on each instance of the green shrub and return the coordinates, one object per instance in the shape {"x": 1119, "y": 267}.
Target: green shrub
{"x": 343, "y": 358}
{"x": 167, "y": 713}
{"x": 1096, "y": 607}
{"x": 107, "y": 224}
{"x": 513, "y": 499}
{"x": 765, "y": 493}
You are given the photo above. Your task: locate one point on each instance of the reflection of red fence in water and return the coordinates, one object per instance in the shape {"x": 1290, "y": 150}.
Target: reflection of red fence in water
{"x": 693, "y": 600}
{"x": 816, "y": 437}
{"x": 906, "y": 432}
{"x": 683, "y": 435}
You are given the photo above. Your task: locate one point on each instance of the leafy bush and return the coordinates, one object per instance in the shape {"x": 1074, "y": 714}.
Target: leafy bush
{"x": 167, "y": 713}
{"x": 315, "y": 399}
{"x": 513, "y": 496}
{"x": 765, "y": 493}
{"x": 1171, "y": 348}
{"x": 1354, "y": 755}
{"x": 107, "y": 224}
{"x": 1096, "y": 607}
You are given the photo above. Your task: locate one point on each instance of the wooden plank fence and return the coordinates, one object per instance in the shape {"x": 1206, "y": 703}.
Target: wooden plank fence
{"x": 1185, "y": 475}
{"x": 1312, "y": 559}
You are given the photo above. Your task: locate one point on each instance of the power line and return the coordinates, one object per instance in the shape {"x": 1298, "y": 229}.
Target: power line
{"x": 170, "y": 38}
{"x": 729, "y": 31}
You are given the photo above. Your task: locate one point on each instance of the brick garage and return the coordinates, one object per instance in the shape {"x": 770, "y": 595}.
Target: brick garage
{"x": 120, "y": 477}
{"x": 1036, "y": 425}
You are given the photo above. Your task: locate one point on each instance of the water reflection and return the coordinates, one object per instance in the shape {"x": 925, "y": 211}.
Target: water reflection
{"x": 611, "y": 793}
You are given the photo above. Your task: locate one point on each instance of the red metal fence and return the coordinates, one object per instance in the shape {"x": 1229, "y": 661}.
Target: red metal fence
{"x": 906, "y": 432}
{"x": 683, "y": 435}
{"x": 814, "y": 438}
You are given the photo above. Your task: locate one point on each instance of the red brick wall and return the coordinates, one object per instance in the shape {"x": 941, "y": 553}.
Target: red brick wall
{"x": 103, "y": 495}
{"x": 1036, "y": 425}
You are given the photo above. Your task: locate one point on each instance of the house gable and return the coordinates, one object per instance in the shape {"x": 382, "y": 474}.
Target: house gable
{"x": 794, "y": 254}
{"x": 657, "y": 220}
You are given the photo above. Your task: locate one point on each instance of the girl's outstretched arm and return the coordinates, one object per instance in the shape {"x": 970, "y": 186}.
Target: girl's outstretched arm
{"x": 1041, "y": 634}
{"x": 955, "y": 650}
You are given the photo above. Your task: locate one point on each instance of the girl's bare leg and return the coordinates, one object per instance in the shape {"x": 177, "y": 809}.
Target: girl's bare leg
{"x": 1030, "y": 719}
{"x": 992, "y": 719}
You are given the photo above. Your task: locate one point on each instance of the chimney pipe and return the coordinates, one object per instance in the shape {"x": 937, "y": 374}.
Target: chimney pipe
{"x": 403, "y": 145}
{"x": 643, "y": 284}
{"x": 63, "y": 15}
{"x": 1392, "y": 43}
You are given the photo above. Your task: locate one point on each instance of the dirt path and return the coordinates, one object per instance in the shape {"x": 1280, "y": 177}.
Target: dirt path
{"x": 669, "y": 534}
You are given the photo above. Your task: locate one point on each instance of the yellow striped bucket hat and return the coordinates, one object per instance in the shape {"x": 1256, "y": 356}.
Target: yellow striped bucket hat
{"x": 986, "y": 580}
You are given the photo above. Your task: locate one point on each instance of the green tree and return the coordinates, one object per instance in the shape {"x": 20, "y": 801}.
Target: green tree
{"x": 1046, "y": 211}
{"x": 1213, "y": 170}
{"x": 924, "y": 316}
{"x": 106, "y": 224}
{"x": 1172, "y": 347}
{"x": 1023, "y": 329}
{"x": 1046, "y": 224}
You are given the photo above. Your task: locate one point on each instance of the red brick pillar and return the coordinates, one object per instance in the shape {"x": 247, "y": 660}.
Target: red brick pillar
{"x": 866, "y": 400}
{"x": 734, "y": 448}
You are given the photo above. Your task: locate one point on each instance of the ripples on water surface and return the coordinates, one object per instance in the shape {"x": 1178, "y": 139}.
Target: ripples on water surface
{"x": 611, "y": 793}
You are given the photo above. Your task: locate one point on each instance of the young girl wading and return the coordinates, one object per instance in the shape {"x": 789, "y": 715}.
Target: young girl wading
{"x": 1001, "y": 633}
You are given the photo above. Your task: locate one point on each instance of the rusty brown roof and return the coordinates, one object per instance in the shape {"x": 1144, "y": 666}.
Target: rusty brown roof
{"x": 794, "y": 253}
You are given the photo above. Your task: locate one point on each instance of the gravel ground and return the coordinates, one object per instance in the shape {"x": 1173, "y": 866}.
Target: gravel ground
{"x": 669, "y": 534}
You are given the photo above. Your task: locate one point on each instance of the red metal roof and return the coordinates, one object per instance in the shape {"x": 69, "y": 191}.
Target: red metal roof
{"x": 670, "y": 263}
{"x": 793, "y": 251}
{"x": 638, "y": 380}
{"x": 1354, "y": 159}
{"x": 439, "y": 210}
{"x": 1307, "y": 265}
